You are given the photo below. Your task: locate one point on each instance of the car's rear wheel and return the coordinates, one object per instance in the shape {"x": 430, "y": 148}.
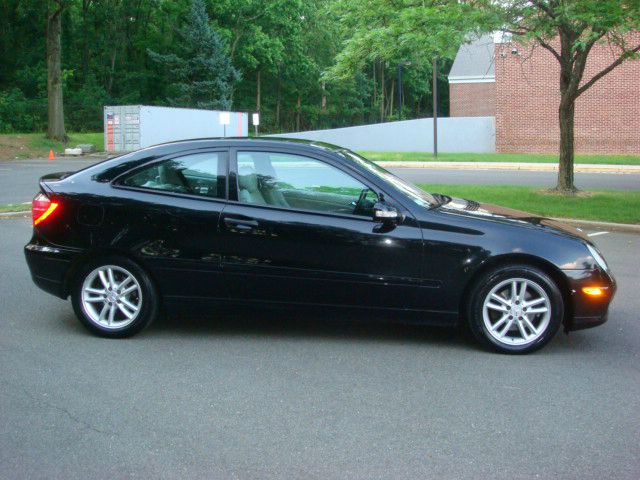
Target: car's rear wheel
{"x": 515, "y": 309}
{"x": 114, "y": 297}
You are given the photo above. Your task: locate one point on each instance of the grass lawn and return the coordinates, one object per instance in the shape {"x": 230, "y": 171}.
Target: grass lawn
{"x": 499, "y": 157}
{"x": 604, "y": 205}
{"x": 30, "y": 145}
{"x": 15, "y": 207}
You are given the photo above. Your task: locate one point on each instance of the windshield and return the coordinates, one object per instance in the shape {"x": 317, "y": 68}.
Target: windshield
{"x": 420, "y": 197}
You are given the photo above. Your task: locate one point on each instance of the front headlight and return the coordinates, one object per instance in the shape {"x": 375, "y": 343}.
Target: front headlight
{"x": 598, "y": 257}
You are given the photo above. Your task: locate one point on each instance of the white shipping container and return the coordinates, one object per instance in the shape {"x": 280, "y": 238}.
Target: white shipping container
{"x": 130, "y": 127}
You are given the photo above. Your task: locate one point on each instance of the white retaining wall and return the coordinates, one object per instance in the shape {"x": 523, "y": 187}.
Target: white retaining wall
{"x": 455, "y": 134}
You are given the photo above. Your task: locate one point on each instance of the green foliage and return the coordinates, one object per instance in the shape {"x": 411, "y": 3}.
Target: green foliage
{"x": 200, "y": 49}
{"x": 287, "y": 44}
{"x": 317, "y": 63}
{"x": 586, "y": 21}
{"x": 84, "y": 106}
{"x": 19, "y": 114}
{"x": 401, "y": 31}
{"x": 200, "y": 71}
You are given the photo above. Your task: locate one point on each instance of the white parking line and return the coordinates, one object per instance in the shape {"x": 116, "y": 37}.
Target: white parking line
{"x": 595, "y": 234}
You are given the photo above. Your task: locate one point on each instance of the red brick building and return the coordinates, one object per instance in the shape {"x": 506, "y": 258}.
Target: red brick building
{"x": 521, "y": 88}
{"x": 472, "y": 81}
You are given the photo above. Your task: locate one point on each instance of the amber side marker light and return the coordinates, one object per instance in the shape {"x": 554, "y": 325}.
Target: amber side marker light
{"x": 593, "y": 291}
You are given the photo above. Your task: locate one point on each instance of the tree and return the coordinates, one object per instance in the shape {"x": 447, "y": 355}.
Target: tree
{"x": 55, "y": 126}
{"x": 201, "y": 71}
{"x": 264, "y": 36}
{"x": 569, "y": 29}
{"x": 280, "y": 46}
{"x": 381, "y": 35}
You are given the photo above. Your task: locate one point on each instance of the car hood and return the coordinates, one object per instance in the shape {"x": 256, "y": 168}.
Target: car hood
{"x": 495, "y": 213}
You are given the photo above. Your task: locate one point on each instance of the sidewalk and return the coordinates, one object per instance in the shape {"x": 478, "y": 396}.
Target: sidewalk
{"x": 532, "y": 167}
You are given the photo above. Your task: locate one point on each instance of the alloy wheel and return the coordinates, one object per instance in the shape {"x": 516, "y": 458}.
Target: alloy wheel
{"x": 517, "y": 311}
{"x": 111, "y": 297}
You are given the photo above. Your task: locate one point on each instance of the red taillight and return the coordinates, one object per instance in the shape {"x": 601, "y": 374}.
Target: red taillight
{"x": 42, "y": 208}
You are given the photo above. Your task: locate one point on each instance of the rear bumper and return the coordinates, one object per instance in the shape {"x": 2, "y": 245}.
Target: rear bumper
{"x": 588, "y": 311}
{"x": 49, "y": 267}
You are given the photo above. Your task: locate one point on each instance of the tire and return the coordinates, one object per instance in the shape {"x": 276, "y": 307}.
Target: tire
{"x": 114, "y": 297}
{"x": 502, "y": 321}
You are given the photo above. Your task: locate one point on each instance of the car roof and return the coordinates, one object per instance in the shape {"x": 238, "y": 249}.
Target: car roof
{"x": 111, "y": 168}
{"x": 257, "y": 141}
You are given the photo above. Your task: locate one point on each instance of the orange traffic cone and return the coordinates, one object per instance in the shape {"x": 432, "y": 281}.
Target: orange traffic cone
{"x": 51, "y": 155}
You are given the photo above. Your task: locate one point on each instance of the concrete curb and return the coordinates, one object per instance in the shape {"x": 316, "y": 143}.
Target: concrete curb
{"x": 532, "y": 167}
{"x": 93, "y": 157}
{"x": 608, "y": 226}
{"x": 25, "y": 213}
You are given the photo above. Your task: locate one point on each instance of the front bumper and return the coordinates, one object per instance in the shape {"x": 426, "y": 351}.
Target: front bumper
{"x": 588, "y": 311}
{"x": 580, "y": 323}
{"x": 49, "y": 267}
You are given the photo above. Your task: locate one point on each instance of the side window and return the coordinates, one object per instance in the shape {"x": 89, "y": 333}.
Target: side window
{"x": 198, "y": 174}
{"x": 299, "y": 182}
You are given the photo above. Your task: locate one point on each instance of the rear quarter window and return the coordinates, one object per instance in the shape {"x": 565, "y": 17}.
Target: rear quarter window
{"x": 202, "y": 174}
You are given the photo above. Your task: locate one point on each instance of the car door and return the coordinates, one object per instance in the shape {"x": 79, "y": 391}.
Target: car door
{"x": 299, "y": 229}
{"x": 171, "y": 208}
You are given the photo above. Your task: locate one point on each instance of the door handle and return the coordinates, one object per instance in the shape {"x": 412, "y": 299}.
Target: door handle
{"x": 240, "y": 224}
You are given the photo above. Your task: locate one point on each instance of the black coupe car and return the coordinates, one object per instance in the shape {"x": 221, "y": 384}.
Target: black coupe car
{"x": 186, "y": 225}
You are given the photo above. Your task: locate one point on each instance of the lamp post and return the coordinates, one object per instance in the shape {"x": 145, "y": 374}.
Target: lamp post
{"x": 225, "y": 119}
{"x": 435, "y": 107}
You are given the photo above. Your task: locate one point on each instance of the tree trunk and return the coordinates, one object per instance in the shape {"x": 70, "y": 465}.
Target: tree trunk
{"x": 112, "y": 70}
{"x": 278, "y": 97}
{"x": 565, "y": 168}
{"x": 298, "y": 108}
{"x": 258, "y": 85}
{"x": 390, "y": 96}
{"x": 55, "y": 127}
{"x": 565, "y": 117}
{"x": 382, "y": 92}
{"x": 375, "y": 88}
{"x": 323, "y": 104}
{"x": 85, "y": 38}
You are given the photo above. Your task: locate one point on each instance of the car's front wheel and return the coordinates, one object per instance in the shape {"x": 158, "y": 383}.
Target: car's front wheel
{"x": 515, "y": 309}
{"x": 114, "y": 297}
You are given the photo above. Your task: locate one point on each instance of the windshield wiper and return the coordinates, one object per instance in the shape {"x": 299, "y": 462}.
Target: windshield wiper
{"x": 440, "y": 198}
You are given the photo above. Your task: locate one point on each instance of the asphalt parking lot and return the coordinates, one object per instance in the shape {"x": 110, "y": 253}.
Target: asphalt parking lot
{"x": 254, "y": 394}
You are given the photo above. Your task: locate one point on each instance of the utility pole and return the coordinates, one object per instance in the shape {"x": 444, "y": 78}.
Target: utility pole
{"x": 435, "y": 107}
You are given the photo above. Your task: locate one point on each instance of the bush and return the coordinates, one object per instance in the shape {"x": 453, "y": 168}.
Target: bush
{"x": 83, "y": 108}
{"x": 20, "y": 114}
